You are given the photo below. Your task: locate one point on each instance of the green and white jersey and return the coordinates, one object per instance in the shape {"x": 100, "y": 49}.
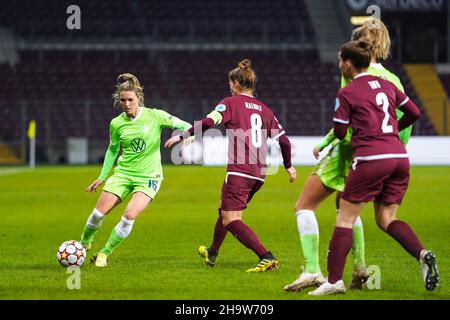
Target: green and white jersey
{"x": 140, "y": 140}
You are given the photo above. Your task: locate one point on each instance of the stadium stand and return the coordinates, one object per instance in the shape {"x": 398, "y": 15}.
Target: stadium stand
{"x": 68, "y": 91}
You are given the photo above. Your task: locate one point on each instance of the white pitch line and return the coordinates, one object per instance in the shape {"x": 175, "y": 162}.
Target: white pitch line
{"x": 10, "y": 171}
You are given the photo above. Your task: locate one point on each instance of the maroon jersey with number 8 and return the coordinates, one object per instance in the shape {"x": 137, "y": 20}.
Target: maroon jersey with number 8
{"x": 248, "y": 123}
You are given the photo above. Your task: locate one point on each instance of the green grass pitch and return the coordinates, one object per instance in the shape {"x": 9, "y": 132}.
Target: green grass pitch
{"x": 42, "y": 208}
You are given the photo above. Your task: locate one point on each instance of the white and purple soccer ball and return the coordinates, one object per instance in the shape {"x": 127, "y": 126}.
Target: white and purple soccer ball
{"x": 71, "y": 253}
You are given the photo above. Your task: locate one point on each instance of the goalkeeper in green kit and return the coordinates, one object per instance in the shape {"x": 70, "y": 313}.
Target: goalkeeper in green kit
{"x": 329, "y": 175}
{"x": 137, "y": 132}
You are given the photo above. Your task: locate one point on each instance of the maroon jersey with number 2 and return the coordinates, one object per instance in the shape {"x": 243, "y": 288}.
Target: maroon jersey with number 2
{"x": 380, "y": 170}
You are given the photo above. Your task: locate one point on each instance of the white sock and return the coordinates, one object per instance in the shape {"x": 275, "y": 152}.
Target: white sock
{"x": 95, "y": 220}
{"x": 358, "y": 222}
{"x": 123, "y": 228}
{"x": 307, "y": 222}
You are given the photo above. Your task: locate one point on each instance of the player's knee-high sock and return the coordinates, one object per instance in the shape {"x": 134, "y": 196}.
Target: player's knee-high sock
{"x": 358, "y": 244}
{"x": 93, "y": 224}
{"x": 247, "y": 237}
{"x": 220, "y": 233}
{"x": 308, "y": 229}
{"x": 118, "y": 235}
{"x": 338, "y": 249}
{"x": 403, "y": 233}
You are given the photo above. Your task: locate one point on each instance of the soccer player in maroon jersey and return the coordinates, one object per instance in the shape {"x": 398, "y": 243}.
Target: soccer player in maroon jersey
{"x": 248, "y": 124}
{"x": 380, "y": 170}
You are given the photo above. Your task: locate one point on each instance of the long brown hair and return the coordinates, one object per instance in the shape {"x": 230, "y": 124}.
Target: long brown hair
{"x": 244, "y": 75}
{"x": 128, "y": 82}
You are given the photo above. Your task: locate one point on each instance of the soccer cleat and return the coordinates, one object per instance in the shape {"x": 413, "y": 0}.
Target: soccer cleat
{"x": 265, "y": 265}
{"x": 100, "y": 259}
{"x": 429, "y": 270}
{"x": 305, "y": 280}
{"x": 210, "y": 258}
{"x": 359, "y": 278}
{"x": 327, "y": 289}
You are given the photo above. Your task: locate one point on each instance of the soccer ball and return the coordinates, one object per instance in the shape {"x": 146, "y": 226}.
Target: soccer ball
{"x": 71, "y": 253}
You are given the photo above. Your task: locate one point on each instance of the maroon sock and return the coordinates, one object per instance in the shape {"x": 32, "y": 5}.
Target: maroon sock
{"x": 403, "y": 233}
{"x": 338, "y": 249}
{"x": 220, "y": 233}
{"x": 247, "y": 237}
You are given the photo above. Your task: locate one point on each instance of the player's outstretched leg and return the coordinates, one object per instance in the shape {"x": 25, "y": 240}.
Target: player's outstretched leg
{"x": 118, "y": 235}
{"x": 210, "y": 253}
{"x": 93, "y": 224}
{"x": 314, "y": 192}
{"x": 308, "y": 230}
{"x": 403, "y": 233}
{"x": 249, "y": 239}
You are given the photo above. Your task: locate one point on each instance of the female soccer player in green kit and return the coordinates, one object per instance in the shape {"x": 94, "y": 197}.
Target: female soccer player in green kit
{"x": 329, "y": 175}
{"x": 137, "y": 131}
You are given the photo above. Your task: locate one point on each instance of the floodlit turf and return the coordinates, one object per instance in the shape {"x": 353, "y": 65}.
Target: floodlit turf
{"x": 40, "y": 209}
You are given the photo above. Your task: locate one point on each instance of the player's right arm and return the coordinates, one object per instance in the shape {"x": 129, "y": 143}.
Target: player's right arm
{"x": 110, "y": 157}
{"x": 341, "y": 116}
{"x": 219, "y": 115}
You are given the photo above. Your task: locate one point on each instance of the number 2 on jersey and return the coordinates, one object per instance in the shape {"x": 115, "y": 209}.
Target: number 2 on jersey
{"x": 256, "y": 123}
{"x": 382, "y": 100}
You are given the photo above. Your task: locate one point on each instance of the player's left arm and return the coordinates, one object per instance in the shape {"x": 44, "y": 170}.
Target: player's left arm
{"x": 278, "y": 133}
{"x": 406, "y": 132}
{"x": 410, "y": 111}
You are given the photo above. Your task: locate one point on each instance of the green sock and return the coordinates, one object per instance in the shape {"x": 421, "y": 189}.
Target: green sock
{"x": 358, "y": 247}
{"x": 88, "y": 235}
{"x": 310, "y": 247}
{"x": 113, "y": 242}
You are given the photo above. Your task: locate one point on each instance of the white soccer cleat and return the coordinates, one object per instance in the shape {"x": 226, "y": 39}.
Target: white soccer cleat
{"x": 305, "y": 280}
{"x": 429, "y": 270}
{"x": 327, "y": 289}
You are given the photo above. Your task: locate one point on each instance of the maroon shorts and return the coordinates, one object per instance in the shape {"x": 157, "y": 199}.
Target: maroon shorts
{"x": 384, "y": 181}
{"x": 237, "y": 191}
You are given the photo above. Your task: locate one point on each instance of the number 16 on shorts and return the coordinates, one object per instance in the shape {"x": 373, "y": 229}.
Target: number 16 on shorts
{"x": 153, "y": 184}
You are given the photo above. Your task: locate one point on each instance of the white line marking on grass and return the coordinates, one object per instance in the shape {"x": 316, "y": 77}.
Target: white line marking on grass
{"x": 10, "y": 171}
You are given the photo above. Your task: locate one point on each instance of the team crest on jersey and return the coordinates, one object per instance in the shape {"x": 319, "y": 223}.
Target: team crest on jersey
{"x": 145, "y": 128}
{"x": 138, "y": 145}
{"x": 337, "y": 105}
{"x": 221, "y": 108}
